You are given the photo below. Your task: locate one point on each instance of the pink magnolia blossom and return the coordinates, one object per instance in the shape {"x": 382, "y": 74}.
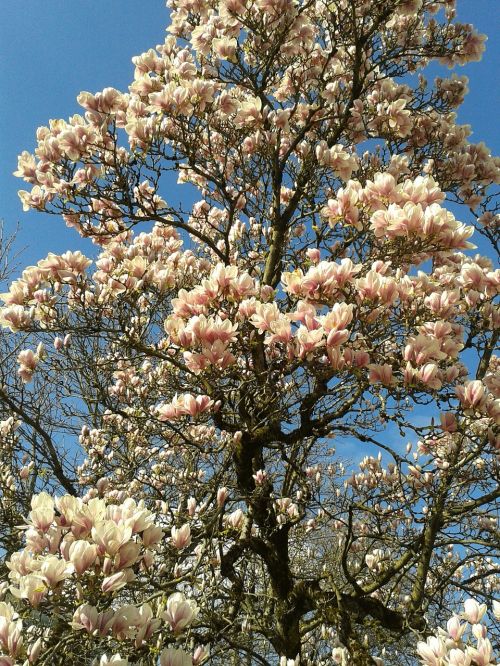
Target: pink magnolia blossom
{"x": 185, "y": 404}
{"x": 181, "y": 537}
{"x": 173, "y": 657}
{"x": 381, "y": 374}
{"x": 180, "y": 612}
{"x": 473, "y": 612}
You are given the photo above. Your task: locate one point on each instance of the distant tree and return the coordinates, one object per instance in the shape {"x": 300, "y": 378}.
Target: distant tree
{"x": 207, "y": 430}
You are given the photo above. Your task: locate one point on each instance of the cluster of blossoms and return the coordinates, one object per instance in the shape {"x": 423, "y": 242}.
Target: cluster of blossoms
{"x": 114, "y": 538}
{"x": 77, "y": 552}
{"x": 168, "y": 657}
{"x": 152, "y": 261}
{"x": 436, "y": 344}
{"x": 35, "y": 293}
{"x": 410, "y": 209}
{"x": 210, "y": 319}
{"x": 462, "y": 643}
{"x": 16, "y": 468}
{"x": 178, "y": 84}
{"x": 8, "y": 441}
{"x": 123, "y": 624}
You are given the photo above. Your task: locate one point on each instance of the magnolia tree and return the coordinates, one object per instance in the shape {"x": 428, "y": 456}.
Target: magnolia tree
{"x": 261, "y": 428}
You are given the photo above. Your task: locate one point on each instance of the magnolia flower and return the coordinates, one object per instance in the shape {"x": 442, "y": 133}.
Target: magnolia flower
{"x": 339, "y": 656}
{"x": 222, "y": 495}
{"x": 455, "y": 628}
{"x": 289, "y": 662}
{"x": 236, "y": 519}
{"x": 85, "y": 617}
{"x": 185, "y": 404}
{"x": 53, "y": 570}
{"x": 127, "y": 555}
{"x": 116, "y": 581}
{"x": 181, "y": 537}
{"x": 225, "y": 47}
{"x": 431, "y": 651}
{"x": 260, "y": 477}
{"x": 264, "y": 315}
{"x": 249, "y": 112}
{"x": 457, "y": 657}
{"x": 479, "y": 631}
{"x": 172, "y": 657}
{"x": 32, "y": 588}
{"x": 339, "y": 317}
{"x": 448, "y": 422}
{"x": 34, "y": 651}
{"x": 180, "y": 612}
{"x": 67, "y": 506}
{"x": 381, "y": 374}
{"x": 125, "y": 618}
{"x": 6, "y": 661}
{"x": 471, "y": 394}
{"x": 373, "y": 559}
{"x": 428, "y": 374}
{"x": 483, "y": 653}
{"x": 146, "y": 624}
{"x": 14, "y": 317}
{"x": 82, "y": 555}
{"x": 11, "y": 635}
{"x": 42, "y": 514}
{"x": 110, "y": 537}
{"x": 152, "y": 536}
{"x": 473, "y": 612}
{"x": 200, "y": 654}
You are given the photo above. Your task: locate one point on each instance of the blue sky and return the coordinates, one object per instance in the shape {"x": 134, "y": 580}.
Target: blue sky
{"x": 52, "y": 49}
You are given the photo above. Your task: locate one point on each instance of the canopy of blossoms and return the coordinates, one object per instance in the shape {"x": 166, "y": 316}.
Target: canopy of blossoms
{"x": 261, "y": 428}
